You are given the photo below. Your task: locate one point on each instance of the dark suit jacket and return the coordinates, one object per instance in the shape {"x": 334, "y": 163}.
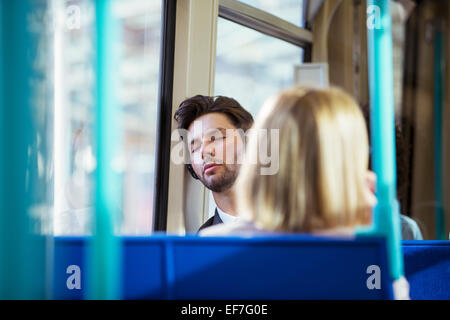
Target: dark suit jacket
{"x": 215, "y": 219}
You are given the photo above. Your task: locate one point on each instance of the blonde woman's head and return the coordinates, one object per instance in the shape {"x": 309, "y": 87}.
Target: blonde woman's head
{"x": 323, "y": 158}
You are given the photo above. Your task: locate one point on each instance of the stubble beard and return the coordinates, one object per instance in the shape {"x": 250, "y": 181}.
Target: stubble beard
{"x": 224, "y": 182}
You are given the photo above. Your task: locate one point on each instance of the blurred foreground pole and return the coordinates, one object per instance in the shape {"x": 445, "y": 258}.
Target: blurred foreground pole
{"x": 381, "y": 81}
{"x": 105, "y": 251}
{"x": 22, "y": 247}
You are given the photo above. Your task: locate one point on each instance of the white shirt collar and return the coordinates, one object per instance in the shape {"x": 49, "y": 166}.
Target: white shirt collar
{"x": 226, "y": 218}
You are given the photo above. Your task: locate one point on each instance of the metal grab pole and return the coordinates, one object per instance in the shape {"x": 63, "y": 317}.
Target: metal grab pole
{"x": 381, "y": 81}
{"x": 22, "y": 246}
{"x": 105, "y": 253}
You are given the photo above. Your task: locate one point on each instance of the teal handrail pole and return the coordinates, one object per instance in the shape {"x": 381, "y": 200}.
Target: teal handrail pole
{"x": 386, "y": 221}
{"x": 22, "y": 248}
{"x": 105, "y": 253}
{"x": 439, "y": 69}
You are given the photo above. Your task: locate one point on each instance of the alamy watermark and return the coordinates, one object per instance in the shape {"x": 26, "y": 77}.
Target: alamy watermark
{"x": 74, "y": 280}
{"x": 73, "y": 17}
{"x": 374, "y": 281}
{"x": 227, "y": 146}
{"x": 373, "y": 17}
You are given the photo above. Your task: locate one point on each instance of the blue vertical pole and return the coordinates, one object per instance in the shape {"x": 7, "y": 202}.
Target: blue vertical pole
{"x": 105, "y": 253}
{"x": 439, "y": 71}
{"x": 386, "y": 221}
{"x": 22, "y": 248}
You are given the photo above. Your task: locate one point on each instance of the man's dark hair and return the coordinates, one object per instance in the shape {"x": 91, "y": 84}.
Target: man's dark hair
{"x": 197, "y": 106}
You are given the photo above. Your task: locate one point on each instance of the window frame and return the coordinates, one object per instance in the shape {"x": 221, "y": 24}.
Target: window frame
{"x": 165, "y": 97}
{"x": 266, "y": 23}
{"x": 272, "y": 26}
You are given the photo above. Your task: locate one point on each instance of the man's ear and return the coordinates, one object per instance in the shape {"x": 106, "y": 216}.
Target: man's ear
{"x": 187, "y": 160}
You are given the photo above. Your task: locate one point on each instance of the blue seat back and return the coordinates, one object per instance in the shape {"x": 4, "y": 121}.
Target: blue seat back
{"x": 143, "y": 267}
{"x": 274, "y": 267}
{"x": 427, "y": 268}
{"x": 288, "y": 267}
{"x": 67, "y": 252}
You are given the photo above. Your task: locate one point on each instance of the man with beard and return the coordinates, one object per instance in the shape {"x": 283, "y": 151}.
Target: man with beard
{"x": 215, "y": 140}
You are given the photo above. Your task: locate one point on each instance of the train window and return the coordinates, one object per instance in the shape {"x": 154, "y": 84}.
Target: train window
{"x": 289, "y": 10}
{"x": 74, "y": 161}
{"x": 138, "y": 41}
{"x": 258, "y": 45}
{"x": 250, "y": 66}
{"x": 257, "y": 51}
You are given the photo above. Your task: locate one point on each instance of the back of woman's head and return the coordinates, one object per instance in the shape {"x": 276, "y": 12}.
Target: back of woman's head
{"x": 323, "y": 158}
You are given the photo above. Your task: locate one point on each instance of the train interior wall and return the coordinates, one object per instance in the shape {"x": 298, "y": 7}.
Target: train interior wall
{"x": 340, "y": 39}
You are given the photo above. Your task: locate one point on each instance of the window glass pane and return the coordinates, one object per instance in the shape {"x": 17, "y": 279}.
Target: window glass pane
{"x": 251, "y": 66}
{"x": 289, "y": 10}
{"x": 139, "y": 46}
{"x": 74, "y": 109}
{"x": 141, "y": 23}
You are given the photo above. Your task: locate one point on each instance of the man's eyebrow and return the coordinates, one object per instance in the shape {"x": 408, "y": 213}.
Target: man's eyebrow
{"x": 222, "y": 130}
{"x": 194, "y": 141}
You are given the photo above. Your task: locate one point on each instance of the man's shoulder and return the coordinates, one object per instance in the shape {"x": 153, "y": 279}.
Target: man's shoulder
{"x": 208, "y": 223}
{"x": 410, "y": 229}
{"x": 214, "y": 220}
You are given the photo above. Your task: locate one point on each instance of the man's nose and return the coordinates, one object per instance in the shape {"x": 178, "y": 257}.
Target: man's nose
{"x": 207, "y": 150}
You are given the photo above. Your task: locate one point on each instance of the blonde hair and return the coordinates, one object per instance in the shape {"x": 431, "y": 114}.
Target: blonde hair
{"x": 323, "y": 162}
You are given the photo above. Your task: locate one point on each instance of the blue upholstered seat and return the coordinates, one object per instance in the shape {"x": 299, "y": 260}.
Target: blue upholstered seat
{"x": 274, "y": 267}
{"x": 427, "y": 268}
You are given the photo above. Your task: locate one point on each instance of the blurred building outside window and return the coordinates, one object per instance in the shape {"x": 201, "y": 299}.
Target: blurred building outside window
{"x": 75, "y": 163}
